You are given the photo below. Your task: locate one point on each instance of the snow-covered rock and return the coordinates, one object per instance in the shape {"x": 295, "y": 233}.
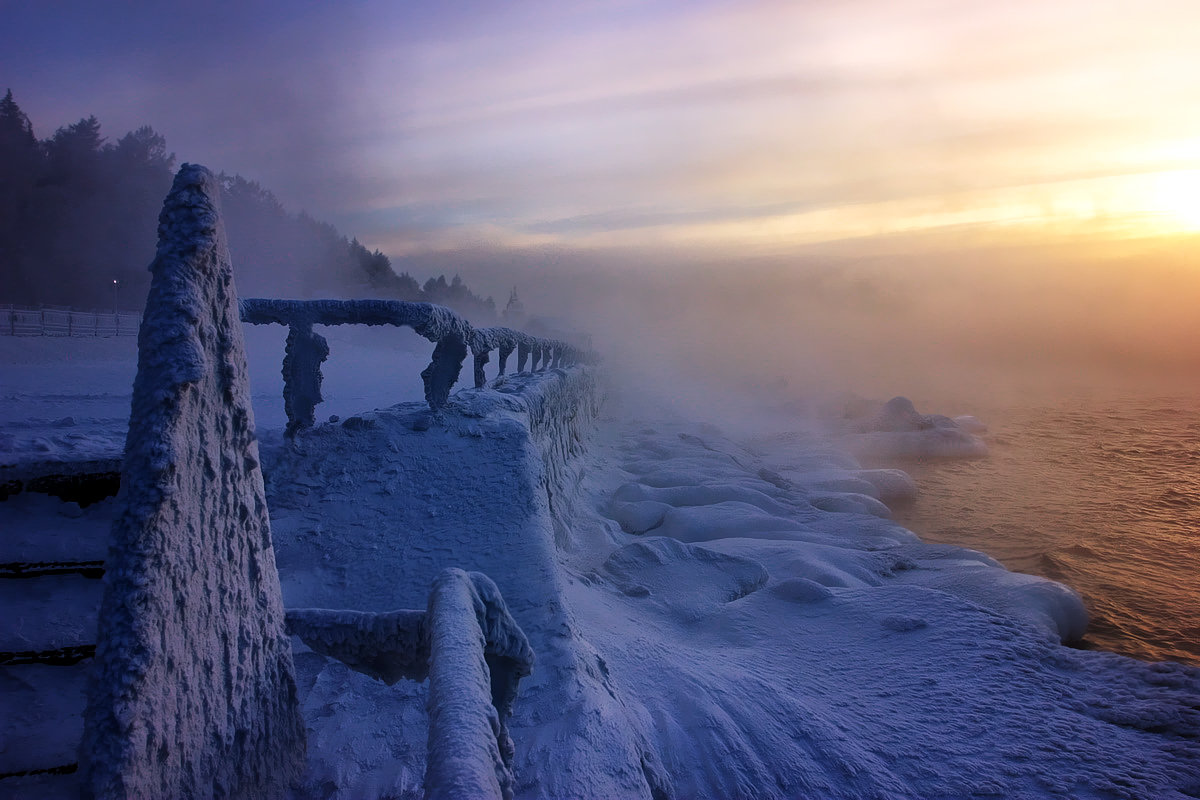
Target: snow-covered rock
{"x": 898, "y": 432}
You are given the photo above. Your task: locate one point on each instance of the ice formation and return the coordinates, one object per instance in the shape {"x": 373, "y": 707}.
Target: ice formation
{"x": 899, "y": 431}
{"x": 474, "y": 655}
{"x": 304, "y": 353}
{"x": 193, "y": 693}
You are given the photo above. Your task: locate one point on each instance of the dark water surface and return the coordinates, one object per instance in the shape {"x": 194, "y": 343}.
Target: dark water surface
{"x": 1101, "y": 495}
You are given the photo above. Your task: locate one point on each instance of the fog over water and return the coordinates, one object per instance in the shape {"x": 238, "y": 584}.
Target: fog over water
{"x": 953, "y": 327}
{"x": 1085, "y": 364}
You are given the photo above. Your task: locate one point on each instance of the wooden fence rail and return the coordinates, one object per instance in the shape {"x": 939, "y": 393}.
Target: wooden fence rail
{"x": 53, "y": 321}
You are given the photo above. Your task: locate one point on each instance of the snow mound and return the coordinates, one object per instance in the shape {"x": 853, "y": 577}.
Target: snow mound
{"x": 1043, "y": 603}
{"x": 690, "y": 582}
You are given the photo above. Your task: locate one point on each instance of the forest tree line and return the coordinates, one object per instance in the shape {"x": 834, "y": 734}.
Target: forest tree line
{"x": 78, "y": 212}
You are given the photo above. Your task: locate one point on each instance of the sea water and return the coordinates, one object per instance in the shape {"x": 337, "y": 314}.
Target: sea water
{"x": 1102, "y": 495}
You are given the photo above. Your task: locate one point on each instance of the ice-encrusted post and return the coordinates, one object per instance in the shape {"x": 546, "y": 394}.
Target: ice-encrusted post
{"x": 477, "y": 657}
{"x": 443, "y": 369}
{"x": 192, "y": 693}
{"x": 481, "y": 360}
{"x": 304, "y": 353}
{"x": 505, "y": 352}
{"x": 473, "y": 653}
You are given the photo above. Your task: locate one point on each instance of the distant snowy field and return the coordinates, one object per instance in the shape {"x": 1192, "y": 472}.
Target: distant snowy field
{"x": 68, "y": 398}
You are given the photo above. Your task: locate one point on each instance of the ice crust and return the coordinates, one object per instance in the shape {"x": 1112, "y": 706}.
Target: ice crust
{"x": 846, "y": 660}
{"x": 702, "y": 627}
{"x": 193, "y": 693}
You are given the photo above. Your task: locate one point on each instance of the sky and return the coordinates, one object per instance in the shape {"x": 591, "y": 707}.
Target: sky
{"x": 763, "y": 125}
{"x": 861, "y": 157}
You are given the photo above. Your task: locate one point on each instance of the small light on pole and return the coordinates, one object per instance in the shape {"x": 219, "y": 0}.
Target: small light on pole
{"x": 116, "y": 285}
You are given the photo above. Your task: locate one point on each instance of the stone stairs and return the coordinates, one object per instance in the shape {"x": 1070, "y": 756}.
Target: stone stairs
{"x": 53, "y": 537}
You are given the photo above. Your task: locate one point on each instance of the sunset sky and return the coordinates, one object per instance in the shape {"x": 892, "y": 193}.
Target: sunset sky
{"x": 714, "y": 125}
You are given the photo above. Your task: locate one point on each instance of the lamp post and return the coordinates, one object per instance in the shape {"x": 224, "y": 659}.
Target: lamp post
{"x": 116, "y": 285}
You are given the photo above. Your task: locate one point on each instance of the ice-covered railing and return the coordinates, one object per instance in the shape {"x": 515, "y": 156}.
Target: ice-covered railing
{"x": 192, "y": 692}
{"x": 306, "y": 349}
{"x": 474, "y": 655}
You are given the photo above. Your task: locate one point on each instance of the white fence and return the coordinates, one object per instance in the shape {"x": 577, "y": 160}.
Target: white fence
{"x": 58, "y": 321}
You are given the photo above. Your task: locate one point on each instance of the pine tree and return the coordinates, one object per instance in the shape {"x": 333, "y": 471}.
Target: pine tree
{"x": 514, "y": 312}
{"x": 20, "y": 164}
{"x": 16, "y": 132}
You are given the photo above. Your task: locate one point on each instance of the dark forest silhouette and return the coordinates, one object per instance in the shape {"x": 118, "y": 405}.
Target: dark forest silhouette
{"x": 78, "y": 213}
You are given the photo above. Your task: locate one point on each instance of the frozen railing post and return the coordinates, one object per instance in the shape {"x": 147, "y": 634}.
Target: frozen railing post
{"x": 304, "y": 353}
{"x": 473, "y": 653}
{"x": 505, "y": 351}
{"x": 192, "y": 693}
{"x": 522, "y": 355}
{"x": 439, "y": 377}
{"x": 481, "y": 360}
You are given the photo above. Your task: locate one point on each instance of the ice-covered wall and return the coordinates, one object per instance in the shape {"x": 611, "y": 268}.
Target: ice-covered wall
{"x": 193, "y": 692}
{"x": 492, "y": 487}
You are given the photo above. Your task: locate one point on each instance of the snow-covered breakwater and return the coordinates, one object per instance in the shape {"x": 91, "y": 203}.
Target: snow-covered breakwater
{"x": 366, "y": 512}
{"x": 710, "y": 619}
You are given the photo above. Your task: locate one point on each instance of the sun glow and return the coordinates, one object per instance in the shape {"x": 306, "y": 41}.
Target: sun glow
{"x": 1177, "y": 195}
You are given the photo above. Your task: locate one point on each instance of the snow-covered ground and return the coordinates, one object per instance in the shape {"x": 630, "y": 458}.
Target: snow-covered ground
{"x": 713, "y": 615}
{"x": 68, "y": 398}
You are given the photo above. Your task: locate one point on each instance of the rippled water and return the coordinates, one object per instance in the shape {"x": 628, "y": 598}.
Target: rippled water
{"x": 1101, "y": 495}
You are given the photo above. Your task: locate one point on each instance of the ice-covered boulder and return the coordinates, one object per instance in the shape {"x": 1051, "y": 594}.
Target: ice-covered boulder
{"x": 899, "y": 431}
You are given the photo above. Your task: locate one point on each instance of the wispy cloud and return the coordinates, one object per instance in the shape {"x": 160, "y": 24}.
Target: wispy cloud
{"x": 415, "y": 123}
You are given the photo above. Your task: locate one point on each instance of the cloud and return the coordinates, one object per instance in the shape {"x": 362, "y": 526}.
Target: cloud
{"x": 544, "y": 122}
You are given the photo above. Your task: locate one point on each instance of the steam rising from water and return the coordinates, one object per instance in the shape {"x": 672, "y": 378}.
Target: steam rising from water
{"x": 952, "y": 329}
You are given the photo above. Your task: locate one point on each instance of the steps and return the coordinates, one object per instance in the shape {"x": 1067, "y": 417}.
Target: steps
{"x": 51, "y": 560}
